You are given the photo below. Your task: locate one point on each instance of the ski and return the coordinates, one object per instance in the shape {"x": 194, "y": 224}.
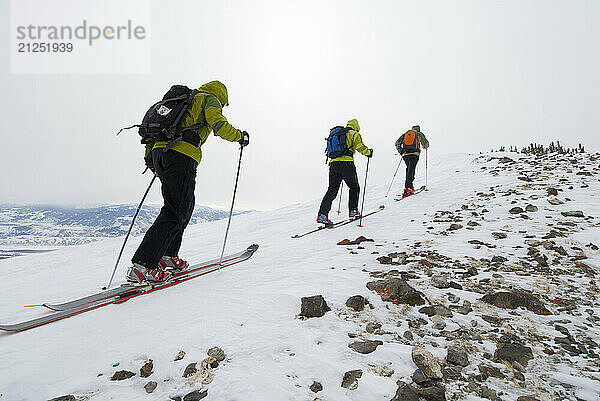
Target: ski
{"x": 131, "y": 292}
{"x": 414, "y": 193}
{"x": 127, "y": 287}
{"x": 338, "y": 224}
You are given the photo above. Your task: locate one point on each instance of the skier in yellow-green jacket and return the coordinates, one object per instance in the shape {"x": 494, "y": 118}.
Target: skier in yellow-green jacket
{"x": 341, "y": 167}
{"x": 175, "y": 164}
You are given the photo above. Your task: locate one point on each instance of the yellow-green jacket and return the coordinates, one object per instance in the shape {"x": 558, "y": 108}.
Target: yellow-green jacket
{"x": 354, "y": 142}
{"x": 205, "y": 109}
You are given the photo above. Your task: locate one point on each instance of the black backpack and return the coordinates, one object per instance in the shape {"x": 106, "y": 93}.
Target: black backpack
{"x": 162, "y": 118}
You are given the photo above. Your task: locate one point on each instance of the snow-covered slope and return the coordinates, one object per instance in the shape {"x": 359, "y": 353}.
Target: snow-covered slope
{"x": 250, "y": 310}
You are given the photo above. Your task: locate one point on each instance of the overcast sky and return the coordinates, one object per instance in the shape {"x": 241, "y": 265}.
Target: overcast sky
{"x": 474, "y": 74}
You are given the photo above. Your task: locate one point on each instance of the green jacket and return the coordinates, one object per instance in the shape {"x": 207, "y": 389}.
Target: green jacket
{"x": 205, "y": 109}
{"x": 354, "y": 142}
{"x": 422, "y": 141}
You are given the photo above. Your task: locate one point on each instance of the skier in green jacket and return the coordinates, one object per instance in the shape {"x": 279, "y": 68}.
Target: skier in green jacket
{"x": 176, "y": 169}
{"x": 343, "y": 168}
{"x": 409, "y": 146}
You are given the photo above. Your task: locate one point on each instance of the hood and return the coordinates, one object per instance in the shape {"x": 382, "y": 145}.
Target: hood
{"x": 353, "y": 124}
{"x": 416, "y": 128}
{"x": 217, "y": 89}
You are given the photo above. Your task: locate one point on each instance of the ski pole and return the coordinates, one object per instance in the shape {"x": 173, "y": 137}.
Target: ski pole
{"x": 426, "y": 153}
{"x": 340, "y": 201}
{"x": 129, "y": 232}
{"x": 362, "y": 208}
{"x": 232, "y": 203}
{"x": 394, "y": 177}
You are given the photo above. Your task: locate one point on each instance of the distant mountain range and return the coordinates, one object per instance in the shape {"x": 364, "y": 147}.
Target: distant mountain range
{"x": 48, "y": 226}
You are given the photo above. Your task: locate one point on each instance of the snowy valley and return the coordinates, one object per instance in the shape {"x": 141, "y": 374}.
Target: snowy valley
{"x": 483, "y": 287}
{"x": 43, "y": 227}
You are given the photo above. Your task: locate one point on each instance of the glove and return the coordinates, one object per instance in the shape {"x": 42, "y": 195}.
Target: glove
{"x": 245, "y": 139}
{"x": 370, "y": 153}
{"x": 149, "y": 162}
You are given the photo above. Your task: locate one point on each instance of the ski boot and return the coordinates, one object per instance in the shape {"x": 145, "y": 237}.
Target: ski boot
{"x": 354, "y": 214}
{"x": 173, "y": 262}
{"x": 138, "y": 274}
{"x": 408, "y": 192}
{"x": 323, "y": 219}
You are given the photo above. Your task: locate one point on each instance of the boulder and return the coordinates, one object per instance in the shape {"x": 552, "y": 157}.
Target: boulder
{"x": 350, "y": 380}
{"x": 365, "y": 347}
{"x": 314, "y": 306}
{"x": 515, "y": 299}
{"x": 397, "y": 291}
{"x": 426, "y": 362}
{"x": 356, "y": 302}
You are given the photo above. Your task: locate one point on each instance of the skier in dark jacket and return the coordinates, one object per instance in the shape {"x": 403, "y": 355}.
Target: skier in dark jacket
{"x": 343, "y": 168}
{"x": 176, "y": 169}
{"x": 409, "y": 146}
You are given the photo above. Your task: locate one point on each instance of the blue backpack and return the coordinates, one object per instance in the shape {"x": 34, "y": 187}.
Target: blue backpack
{"x": 337, "y": 145}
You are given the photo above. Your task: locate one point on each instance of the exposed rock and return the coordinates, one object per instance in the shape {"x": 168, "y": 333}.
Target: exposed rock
{"x": 122, "y": 375}
{"x": 499, "y": 259}
{"x": 527, "y": 398}
{"x": 513, "y": 352}
{"x": 421, "y": 379}
{"x": 425, "y": 361}
{"x": 516, "y": 299}
{"x": 485, "y": 392}
{"x": 180, "y": 355}
{"x": 439, "y": 281}
{"x": 397, "y": 291}
{"x": 190, "y": 370}
{"x": 350, "y": 380}
{"x": 384, "y": 260}
{"x": 316, "y": 387}
{"x": 437, "y": 309}
{"x": 216, "y": 353}
{"x": 438, "y": 324}
{"x": 531, "y": 208}
{"x": 452, "y": 373}
{"x": 146, "y": 370}
{"x": 314, "y": 306}
{"x": 489, "y": 371}
{"x": 372, "y": 327}
{"x": 67, "y": 398}
{"x": 457, "y": 356}
{"x": 356, "y": 302}
{"x": 555, "y": 201}
{"x": 356, "y": 241}
{"x": 150, "y": 386}
{"x": 365, "y": 347}
{"x": 499, "y": 235}
{"x": 552, "y": 191}
{"x": 195, "y": 395}
{"x": 573, "y": 213}
{"x": 405, "y": 392}
{"x": 433, "y": 393}
{"x": 516, "y": 210}
{"x": 455, "y": 226}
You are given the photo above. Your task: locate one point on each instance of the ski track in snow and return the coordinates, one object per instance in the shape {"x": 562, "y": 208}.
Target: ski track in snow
{"x": 249, "y": 310}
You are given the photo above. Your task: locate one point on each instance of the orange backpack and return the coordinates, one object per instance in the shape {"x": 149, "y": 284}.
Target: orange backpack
{"x": 411, "y": 142}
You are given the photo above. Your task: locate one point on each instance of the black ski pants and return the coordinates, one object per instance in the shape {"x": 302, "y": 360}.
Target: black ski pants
{"x": 411, "y": 165}
{"x": 177, "y": 174}
{"x": 339, "y": 171}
